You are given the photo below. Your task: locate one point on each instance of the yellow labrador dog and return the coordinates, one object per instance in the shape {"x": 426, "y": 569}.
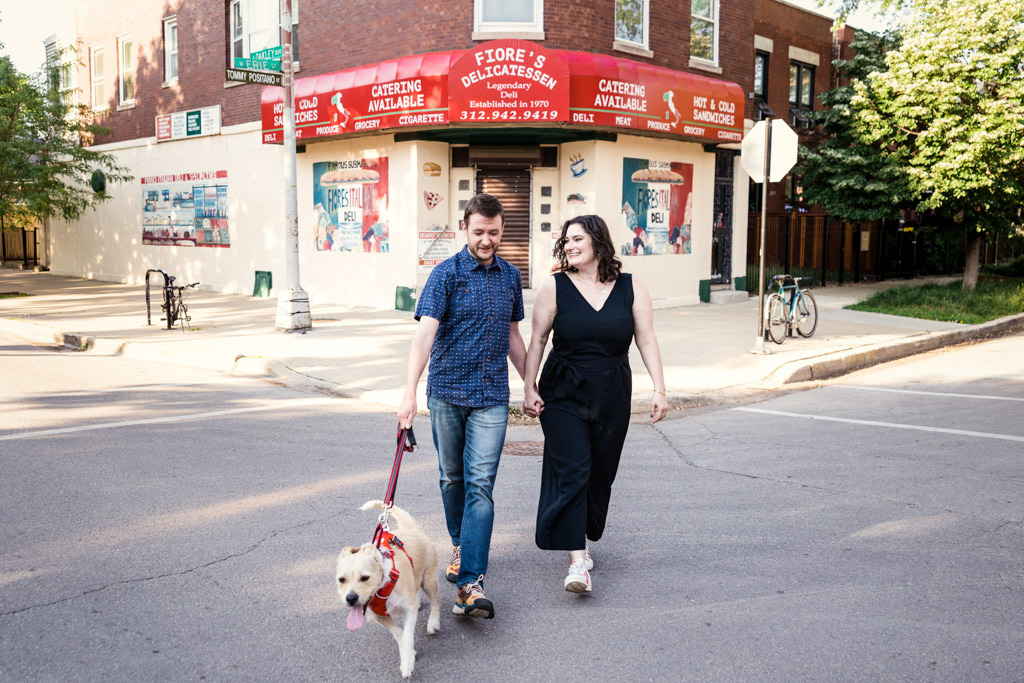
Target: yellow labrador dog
{"x": 385, "y": 582}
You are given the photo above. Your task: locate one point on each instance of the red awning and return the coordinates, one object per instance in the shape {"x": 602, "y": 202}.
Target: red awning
{"x": 509, "y": 82}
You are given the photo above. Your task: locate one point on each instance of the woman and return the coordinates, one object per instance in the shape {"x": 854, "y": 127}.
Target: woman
{"x": 584, "y": 395}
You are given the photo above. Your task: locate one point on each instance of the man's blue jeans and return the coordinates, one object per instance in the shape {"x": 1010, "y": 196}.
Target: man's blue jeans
{"x": 468, "y": 443}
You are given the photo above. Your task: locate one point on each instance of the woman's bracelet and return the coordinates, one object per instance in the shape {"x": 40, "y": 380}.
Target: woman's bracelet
{"x": 659, "y": 392}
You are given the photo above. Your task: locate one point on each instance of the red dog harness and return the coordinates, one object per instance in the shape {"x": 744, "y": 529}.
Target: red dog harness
{"x": 388, "y": 543}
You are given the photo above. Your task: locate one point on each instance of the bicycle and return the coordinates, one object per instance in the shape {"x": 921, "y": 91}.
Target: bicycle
{"x": 174, "y": 303}
{"x": 799, "y": 312}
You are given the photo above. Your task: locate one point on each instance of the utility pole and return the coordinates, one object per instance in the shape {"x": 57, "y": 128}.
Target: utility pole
{"x": 292, "y": 302}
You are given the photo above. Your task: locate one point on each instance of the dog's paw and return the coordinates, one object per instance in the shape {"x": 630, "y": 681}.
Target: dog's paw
{"x": 407, "y": 666}
{"x": 433, "y": 626}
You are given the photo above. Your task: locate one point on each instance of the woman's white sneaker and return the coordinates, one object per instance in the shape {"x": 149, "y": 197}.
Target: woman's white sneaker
{"x": 588, "y": 559}
{"x": 578, "y": 580}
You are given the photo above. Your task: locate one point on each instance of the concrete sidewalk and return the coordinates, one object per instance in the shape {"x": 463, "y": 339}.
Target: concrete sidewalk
{"x": 362, "y": 352}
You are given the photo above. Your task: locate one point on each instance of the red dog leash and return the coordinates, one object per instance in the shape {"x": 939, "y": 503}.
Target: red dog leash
{"x": 406, "y": 443}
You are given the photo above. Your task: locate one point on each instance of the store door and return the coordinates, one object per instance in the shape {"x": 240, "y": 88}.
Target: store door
{"x": 511, "y": 186}
{"x": 721, "y": 235}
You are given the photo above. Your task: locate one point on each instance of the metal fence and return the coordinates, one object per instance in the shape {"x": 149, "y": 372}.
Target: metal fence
{"x": 20, "y": 245}
{"x": 830, "y": 251}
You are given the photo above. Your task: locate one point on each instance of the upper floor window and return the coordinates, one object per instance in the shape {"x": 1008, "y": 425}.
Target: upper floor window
{"x": 256, "y": 25}
{"x": 509, "y": 16}
{"x": 170, "y": 49}
{"x": 126, "y": 70}
{"x": 801, "y": 94}
{"x": 762, "y": 110}
{"x": 631, "y": 21}
{"x": 704, "y": 30}
{"x": 96, "y": 78}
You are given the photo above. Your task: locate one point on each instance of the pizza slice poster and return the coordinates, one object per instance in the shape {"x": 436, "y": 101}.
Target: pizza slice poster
{"x": 350, "y": 205}
{"x": 657, "y": 207}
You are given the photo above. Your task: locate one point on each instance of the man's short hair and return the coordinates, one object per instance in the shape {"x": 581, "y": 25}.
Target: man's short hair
{"x": 484, "y": 204}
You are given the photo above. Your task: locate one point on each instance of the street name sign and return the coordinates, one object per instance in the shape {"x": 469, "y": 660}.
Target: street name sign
{"x": 258, "y": 77}
{"x": 269, "y": 53}
{"x": 782, "y": 155}
{"x": 257, "y": 64}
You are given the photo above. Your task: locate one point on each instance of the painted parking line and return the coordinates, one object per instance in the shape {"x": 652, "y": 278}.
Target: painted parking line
{"x": 873, "y": 423}
{"x": 280, "y": 405}
{"x": 932, "y": 393}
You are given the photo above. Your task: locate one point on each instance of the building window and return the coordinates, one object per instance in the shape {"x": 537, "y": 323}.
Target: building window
{"x": 631, "y": 18}
{"x": 126, "y": 70}
{"x": 704, "y": 30}
{"x": 801, "y": 94}
{"x": 170, "y": 50}
{"x": 99, "y": 91}
{"x": 508, "y": 16}
{"x": 762, "y": 110}
{"x": 256, "y": 25}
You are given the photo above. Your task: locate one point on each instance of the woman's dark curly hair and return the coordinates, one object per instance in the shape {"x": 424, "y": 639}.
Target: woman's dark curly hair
{"x": 608, "y": 265}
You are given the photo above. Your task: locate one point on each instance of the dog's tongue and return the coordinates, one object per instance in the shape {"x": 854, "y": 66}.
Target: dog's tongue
{"x": 356, "y": 618}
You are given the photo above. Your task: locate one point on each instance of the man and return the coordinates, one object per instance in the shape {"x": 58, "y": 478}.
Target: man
{"x": 468, "y": 313}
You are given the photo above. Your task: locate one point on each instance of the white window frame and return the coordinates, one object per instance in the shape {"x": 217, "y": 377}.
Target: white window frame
{"x": 97, "y": 81}
{"x": 645, "y": 40}
{"x": 170, "y": 50}
{"x": 489, "y": 30}
{"x": 125, "y": 71}
{"x": 714, "y": 21}
{"x": 247, "y": 9}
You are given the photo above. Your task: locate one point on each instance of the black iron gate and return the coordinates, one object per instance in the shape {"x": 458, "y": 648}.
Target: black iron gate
{"x": 721, "y": 234}
{"x": 19, "y": 244}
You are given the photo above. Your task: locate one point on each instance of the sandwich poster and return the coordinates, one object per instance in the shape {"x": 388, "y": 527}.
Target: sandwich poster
{"x": 350, "y": 205}
{"x": 186, "y": 210}
{"x": 657, "y": 207}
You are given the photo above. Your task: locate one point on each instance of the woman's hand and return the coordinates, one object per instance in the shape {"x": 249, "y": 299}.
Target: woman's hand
{"x": 533, "y": 404}
{"x": 659, "y": 406}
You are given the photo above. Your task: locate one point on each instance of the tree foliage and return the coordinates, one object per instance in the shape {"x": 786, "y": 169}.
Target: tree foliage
{"x": 950, "y": 105}
{"x": 45, "y": 168}
{"x": 855, "y": 179}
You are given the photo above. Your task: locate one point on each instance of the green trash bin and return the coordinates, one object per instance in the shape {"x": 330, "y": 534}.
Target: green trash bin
{"x": 264, "y": 283}
{"x": 405, "y": 299}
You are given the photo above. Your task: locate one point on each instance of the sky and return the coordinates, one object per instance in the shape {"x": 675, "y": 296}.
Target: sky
{"x": 24, "y": 24}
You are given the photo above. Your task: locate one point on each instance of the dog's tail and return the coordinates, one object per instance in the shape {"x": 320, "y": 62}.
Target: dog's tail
{"x": 397, "y": 513}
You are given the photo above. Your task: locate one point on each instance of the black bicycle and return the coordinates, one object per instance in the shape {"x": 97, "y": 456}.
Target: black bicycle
{"x": 174, "y": 305}
{"x": 799, "y": 311}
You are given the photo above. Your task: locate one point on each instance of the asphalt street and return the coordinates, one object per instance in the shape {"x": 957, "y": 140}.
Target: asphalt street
{"x": 160, "y": 523}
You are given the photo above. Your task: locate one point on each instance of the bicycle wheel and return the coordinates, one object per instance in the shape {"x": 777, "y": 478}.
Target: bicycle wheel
{"x": 775, "y": 318}
{"x": 806, "y": 313}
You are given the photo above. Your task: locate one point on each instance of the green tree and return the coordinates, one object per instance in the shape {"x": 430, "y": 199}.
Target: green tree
{"x": 45, "y": 167}
{"x": 950, "y": 106}
{"x": 853, "y": 179}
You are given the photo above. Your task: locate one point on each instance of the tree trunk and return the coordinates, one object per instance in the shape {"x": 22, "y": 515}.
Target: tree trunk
{"x": 971, "y": 252}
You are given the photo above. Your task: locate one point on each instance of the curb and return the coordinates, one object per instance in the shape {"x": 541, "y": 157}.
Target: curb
{"x": 844, "y": 362}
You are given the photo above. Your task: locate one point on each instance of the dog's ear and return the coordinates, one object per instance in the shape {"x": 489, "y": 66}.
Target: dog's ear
{"x": 350, "y": 550}
{"x": 368, "y": 548}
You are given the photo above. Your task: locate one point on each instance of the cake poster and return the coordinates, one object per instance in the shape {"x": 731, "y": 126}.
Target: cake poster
{"x": 350, "y": 205}
{"x": 657, "y": 207}
{"x": 186, "y": 210}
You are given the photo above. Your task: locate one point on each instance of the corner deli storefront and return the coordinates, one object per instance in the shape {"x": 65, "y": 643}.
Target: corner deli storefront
{"x": 391, "y": 152}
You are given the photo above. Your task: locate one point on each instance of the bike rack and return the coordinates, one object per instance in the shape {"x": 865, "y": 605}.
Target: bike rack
{"x": 167, "y": 301}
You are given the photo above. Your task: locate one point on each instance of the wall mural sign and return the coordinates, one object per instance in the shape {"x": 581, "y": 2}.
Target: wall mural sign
{"x": 657, "y": 207}
{"x": 187, "y": 124}
{"x": 509, "y": 80}
{"x": 350, "y": 205}
{"x": 186, "y": 210}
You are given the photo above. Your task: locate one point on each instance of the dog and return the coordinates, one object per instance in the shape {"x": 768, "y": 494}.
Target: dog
{"x": 387, "y": 580}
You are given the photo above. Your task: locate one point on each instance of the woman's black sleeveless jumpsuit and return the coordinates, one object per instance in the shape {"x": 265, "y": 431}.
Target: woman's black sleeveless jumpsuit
{"x": 586, "y": 386}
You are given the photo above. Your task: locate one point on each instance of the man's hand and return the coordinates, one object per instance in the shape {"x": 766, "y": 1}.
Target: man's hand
{"x": 533, "y": 404}
{"x": 406, "y": 412}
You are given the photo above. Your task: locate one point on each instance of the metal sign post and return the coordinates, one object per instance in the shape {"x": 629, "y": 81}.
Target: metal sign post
{"x": 292, "y": 302}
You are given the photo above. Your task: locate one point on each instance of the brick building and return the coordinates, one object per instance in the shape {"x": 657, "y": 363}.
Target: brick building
{"x": 631, "y": 109}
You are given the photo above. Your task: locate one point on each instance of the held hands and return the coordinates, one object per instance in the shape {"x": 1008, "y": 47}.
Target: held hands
{"x": 659, "y": 406}
{"x": 533, "y": 404}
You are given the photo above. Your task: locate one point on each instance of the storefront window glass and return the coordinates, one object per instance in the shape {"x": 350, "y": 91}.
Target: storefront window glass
{"x": 631, "y": 21}
{"x": 704, "y": 30}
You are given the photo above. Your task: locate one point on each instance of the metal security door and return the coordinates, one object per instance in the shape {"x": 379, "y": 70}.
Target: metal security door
{"x": 512, "y": 188}
{"x": 721, "y": 234}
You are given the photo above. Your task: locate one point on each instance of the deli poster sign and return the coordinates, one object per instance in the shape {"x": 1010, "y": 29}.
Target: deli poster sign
{"x": 350, "y": 205}
{"x": 188, "y": 124}
{"x": 394, "y": 94}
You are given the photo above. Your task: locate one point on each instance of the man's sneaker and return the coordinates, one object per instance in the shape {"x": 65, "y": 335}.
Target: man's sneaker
{"x": 578, "y": 580}
{"x": 588, "y": 559}
{"x": 473, "y": 603}
{"x": 452, "y": 573}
